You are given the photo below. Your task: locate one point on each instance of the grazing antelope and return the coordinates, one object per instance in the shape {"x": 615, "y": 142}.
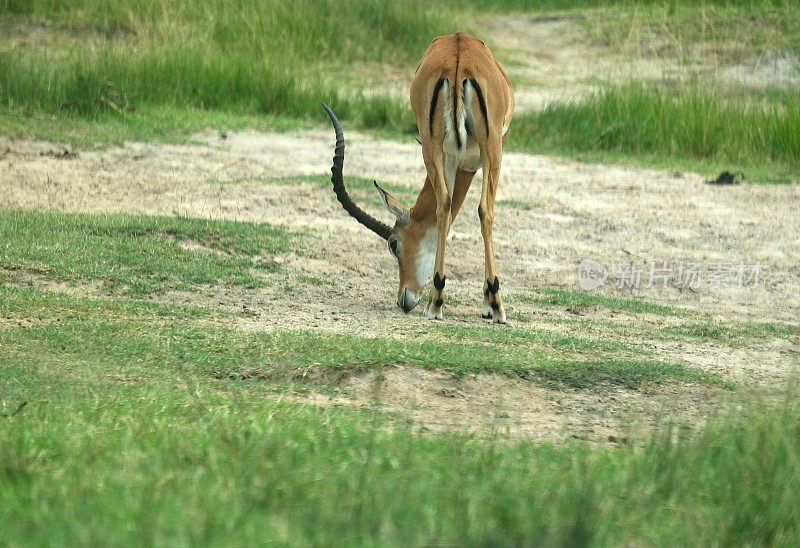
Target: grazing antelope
{"x": 463, "y": 102}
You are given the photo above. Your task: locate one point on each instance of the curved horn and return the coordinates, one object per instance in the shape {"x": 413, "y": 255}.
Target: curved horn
{"x": 356, "y": 212}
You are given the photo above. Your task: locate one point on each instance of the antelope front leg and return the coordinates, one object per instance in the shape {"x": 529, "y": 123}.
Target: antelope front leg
{"x": 433, "y": 309}
{"x": 492, "y": 304}
{"x": 444, "y": 171}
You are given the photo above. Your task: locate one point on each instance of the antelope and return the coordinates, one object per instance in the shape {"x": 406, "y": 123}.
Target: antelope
{"x": 463, "y": 102}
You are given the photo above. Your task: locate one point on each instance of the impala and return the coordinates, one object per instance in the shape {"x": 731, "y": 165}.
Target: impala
{"x": 463, "y": 102}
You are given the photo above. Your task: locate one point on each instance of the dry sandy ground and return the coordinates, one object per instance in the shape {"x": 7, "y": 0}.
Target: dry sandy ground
{"x": 552, "y": 214}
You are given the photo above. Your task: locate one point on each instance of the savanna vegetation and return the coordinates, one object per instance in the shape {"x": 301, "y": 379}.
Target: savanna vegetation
{"x": 128, "y": 418}
{"x": 95, "y": 72}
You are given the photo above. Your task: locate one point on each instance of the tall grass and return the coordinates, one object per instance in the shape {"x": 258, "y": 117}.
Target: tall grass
{"x": 694, "y": 122}
{"x": 275, "y": 58}
{"x": 92, "y": 83}
{"x": 529, "y": 6}
{"x": 97, "y": 58}
{"x": 275, "y": 32}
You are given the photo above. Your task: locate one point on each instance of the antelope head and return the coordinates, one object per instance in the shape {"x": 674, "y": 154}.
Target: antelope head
{"x": 411, "y": 241}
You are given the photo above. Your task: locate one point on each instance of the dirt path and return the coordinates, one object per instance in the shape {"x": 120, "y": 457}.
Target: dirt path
{"x": 551, "y": 215}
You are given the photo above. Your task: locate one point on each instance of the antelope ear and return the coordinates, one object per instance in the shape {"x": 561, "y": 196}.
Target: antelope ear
{"x": 400, "y": 211}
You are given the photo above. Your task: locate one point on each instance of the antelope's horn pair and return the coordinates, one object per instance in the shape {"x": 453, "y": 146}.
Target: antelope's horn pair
{"x": 356, "y": 212}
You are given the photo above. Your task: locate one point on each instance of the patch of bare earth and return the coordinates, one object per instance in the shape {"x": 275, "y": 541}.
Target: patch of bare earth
{"x": 494, "y": 404}
{"x": 31, "y": 278}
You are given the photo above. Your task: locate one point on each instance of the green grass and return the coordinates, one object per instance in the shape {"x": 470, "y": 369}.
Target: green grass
{"x": 583, "y": 299}
{"x": 696, "y": 327}
{"x": 148, "y": 123}
{"x": 110, "y": 336}
{"x": 694, "y": 123}
{"x": 138, "y": 431}
{"x": 636, "y": 337}
{"x": 132, "y": 67}
{"x": 731, "y": 31}
{"x": 156, "y": 454}
{"x": 659, "y": 7}
{"x": 25, "y": 303}
{"x": 108, "y": 57}
{"x": 140, "y": 255}
{"x": 108, "y": 347}
{"x": 734, "y": 334}
{"x": 556, "y": 343}
{"x": 272, "y": 33}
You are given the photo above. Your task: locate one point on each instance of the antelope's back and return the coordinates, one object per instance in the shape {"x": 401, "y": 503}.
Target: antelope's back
{"x": 460, "y": 57}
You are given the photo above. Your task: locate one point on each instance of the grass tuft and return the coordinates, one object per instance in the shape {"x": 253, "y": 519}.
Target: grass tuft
{"x": 280, "y": 356}
{"x": 583, "y": 299}
{"x": 140, "y": 255}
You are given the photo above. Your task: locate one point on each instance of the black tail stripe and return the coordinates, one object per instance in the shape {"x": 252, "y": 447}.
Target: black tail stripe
{"x": 456, "y": 125}
{"x": 435, "y": 98}
{"x": 482, "y": 103}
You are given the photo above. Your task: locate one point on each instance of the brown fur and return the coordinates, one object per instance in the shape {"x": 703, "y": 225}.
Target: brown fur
{"x": 456, "y": 58}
